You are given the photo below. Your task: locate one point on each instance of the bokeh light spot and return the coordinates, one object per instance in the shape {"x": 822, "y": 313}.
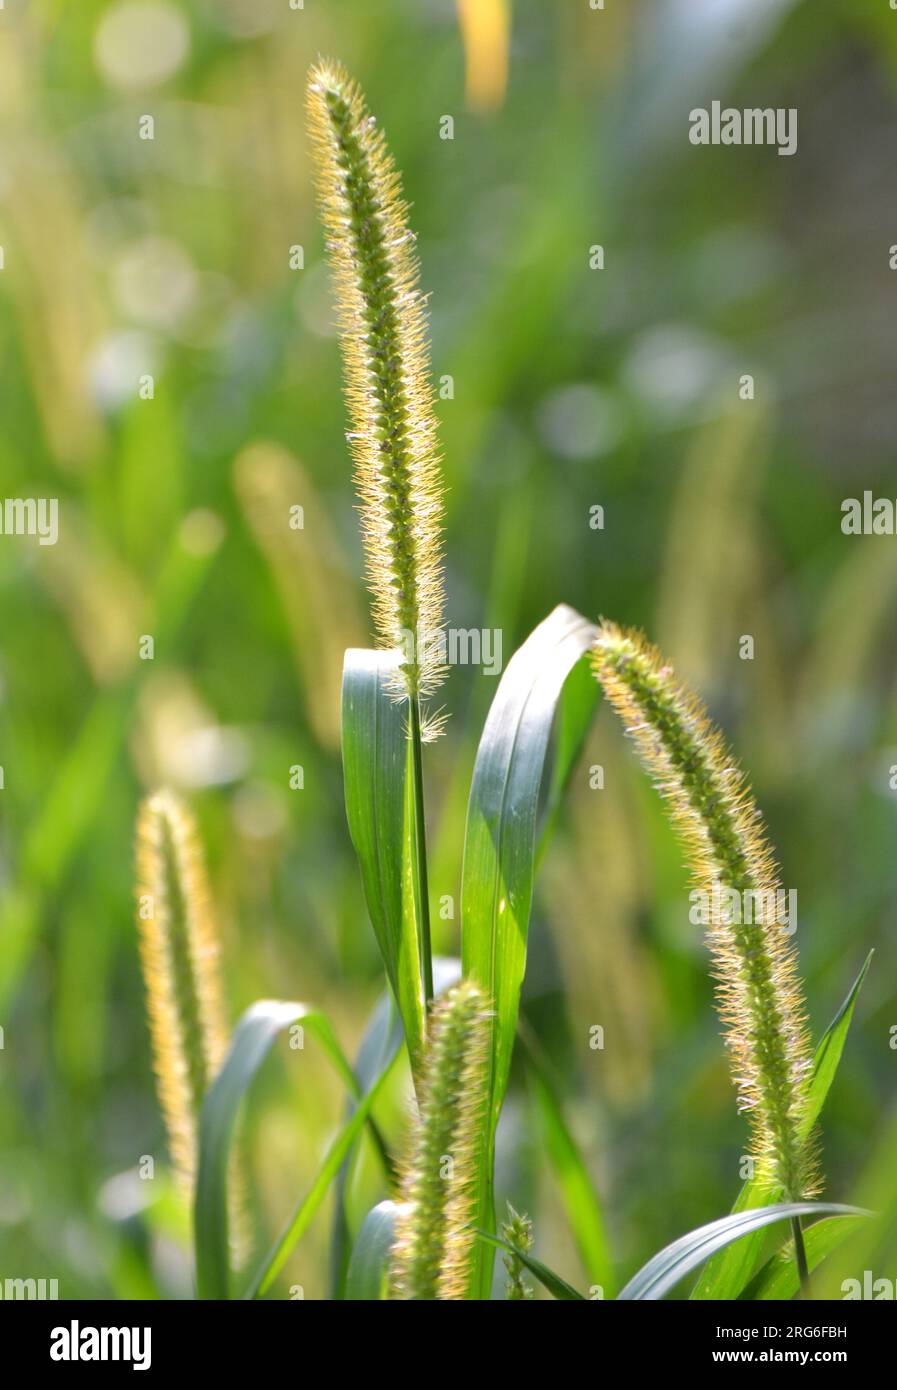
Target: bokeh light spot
{"x": 140, "y": 44}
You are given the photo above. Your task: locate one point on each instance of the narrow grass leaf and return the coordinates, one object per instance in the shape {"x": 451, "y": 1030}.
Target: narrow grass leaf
{"x": 556, "y": 1286}
{"x": 368, "y": 1277}
{"x": 307, "y": 1206}
{"x": 779, "y": 1279}
{"x": 665, "y": 1269}
{"x": 380, "y": 812}
{"x": 382, "y": 1038}
{"x": 500, "y": 848}
{"x": 828, "y": 1053}
{"x": 252, "y": 1040}
{"x": 575, "y": 711}
{"x": 581, "y": 1201}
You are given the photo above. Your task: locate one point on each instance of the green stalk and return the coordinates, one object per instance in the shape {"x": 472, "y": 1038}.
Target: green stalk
{"x": 421, "y": 879}
{"x": 480, "y": 1285}
{"x": 800, "y": 1255}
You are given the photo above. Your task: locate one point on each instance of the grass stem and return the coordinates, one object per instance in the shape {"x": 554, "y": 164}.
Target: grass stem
{"x": 801, "y": 1257}
{"x": 420, "y": 855}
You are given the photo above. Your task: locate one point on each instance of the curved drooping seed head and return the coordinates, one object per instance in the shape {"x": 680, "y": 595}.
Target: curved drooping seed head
{"x": 179, "y": 957}
{"x": 755, "y": 964}
{"x": 383, "y": 330}
{"x": 434, "y": 1240}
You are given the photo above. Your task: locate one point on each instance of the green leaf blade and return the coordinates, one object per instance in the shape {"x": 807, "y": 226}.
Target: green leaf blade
{"x": 583, "y": 1205}
{"x": 368, "y": 1277}
{"x": 670, "y": 1265}
{"x": 380, "y": 811}
{"x": 252, "y": 1040}
{"x": 548, "y": 1278}
{"x": 500, "y": 848}
{"x": 779, "y": 1279}
{"x": 828, "y": 1054}
{"x": 309, "y": 1204}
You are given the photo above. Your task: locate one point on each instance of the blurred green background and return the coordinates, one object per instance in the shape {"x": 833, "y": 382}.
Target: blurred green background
{"x": 571, "y": 387}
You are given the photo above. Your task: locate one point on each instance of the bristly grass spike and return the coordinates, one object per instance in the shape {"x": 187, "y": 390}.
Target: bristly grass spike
{"x": 435, "y": 1237}
{"x": 383, "y": 329}
{"x": 711, "y": 805}
{"x": 179, "y": 957}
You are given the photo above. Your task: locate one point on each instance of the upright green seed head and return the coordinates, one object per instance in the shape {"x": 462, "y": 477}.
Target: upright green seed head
{"x": 384, "y": 339}
{"x": 711, "y": 806}
{"x": 434, "y": 1239}
{"x": 517, "y": 1230}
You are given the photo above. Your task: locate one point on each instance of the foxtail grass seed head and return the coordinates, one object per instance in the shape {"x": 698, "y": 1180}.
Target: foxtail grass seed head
{"x": 755, "y": 965}
{"x": 179, "y": 957}
{"x": 434, "y": 1240}
{"x": 517, "y": 1230}
{"x": 383, "y": 329}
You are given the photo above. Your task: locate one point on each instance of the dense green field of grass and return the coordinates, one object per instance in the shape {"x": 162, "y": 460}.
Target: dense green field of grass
{"x": 659, "y": 371}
